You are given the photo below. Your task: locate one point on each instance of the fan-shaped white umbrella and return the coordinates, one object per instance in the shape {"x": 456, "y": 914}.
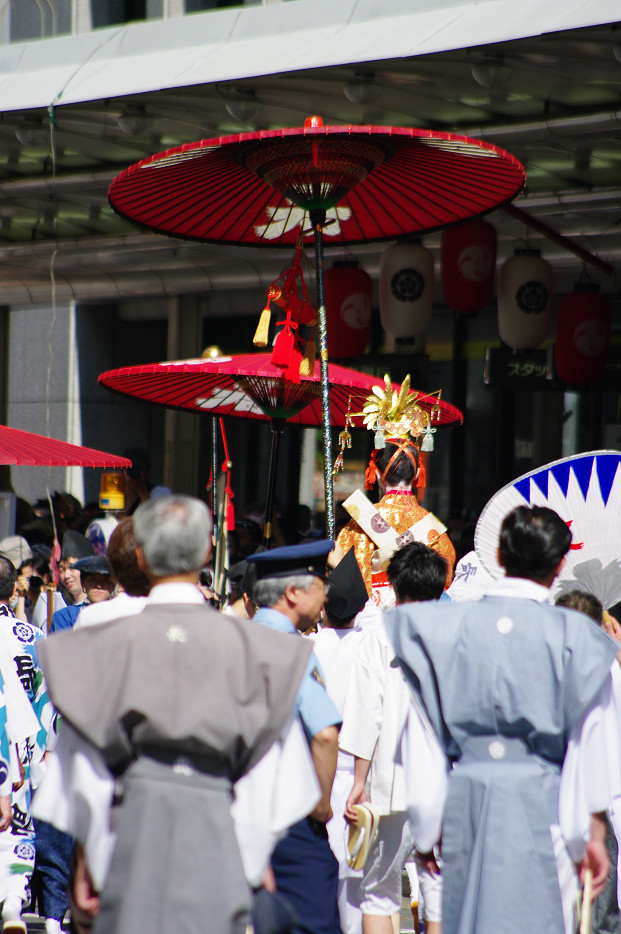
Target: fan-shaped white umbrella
{"x": 585, "y": 490}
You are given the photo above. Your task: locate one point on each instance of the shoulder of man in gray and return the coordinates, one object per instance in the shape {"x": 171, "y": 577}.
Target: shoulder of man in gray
{"x": 170, "y": 668}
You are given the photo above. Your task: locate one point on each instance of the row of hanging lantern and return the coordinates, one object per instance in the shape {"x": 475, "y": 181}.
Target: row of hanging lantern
{"x": 468, "y": 267}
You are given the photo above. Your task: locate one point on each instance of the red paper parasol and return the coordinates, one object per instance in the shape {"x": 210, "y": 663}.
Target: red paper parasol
{"x": 257, "y": 189}
{"x": 24, "y": 448}
{"x": 250, "y": 386}
{"x": 360, "y": 183}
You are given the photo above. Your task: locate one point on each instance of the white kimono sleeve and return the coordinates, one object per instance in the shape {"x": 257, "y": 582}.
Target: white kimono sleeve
{"x": 363, "y": 710}
{"x": 76, "y": 797}
{"x": 591, "y": 775}
{"x": 426, "y": 778}
{"x": 280, "y": 790}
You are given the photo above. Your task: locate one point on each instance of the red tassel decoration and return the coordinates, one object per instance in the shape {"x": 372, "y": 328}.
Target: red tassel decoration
{"x": 291, "y": 374}
{"x": 370, "y": 474}
{"x": 230, "y": 495}
{"x": 284, "y": 344}
{"x": 286, "y": 352}
{"x": 230, "y": 509}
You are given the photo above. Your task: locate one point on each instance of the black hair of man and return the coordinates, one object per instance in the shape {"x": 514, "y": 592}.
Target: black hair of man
{"x": 583, "y": 602}
{"x": 533, "y": 542}
{"x": 8, "y": 576}
{"x": 417, "y": 573}
{"x": 403, "y": 467}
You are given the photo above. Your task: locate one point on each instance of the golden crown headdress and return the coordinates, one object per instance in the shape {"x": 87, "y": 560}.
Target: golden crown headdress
{"x": 392, "y": 414}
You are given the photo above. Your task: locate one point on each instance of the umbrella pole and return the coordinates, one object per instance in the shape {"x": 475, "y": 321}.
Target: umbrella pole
{"x": 277, "y": 426}
{"x": 318, "y": 218}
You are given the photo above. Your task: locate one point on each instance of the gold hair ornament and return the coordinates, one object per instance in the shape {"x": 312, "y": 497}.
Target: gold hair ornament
{"x": 344, "y": 441}
{"x": 392, "y": 414}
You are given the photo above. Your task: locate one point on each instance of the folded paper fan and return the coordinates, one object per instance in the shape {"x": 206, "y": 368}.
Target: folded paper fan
{"x": 585, "y": 490}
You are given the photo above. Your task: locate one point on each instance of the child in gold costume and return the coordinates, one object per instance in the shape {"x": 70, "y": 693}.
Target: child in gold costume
{"x": 395, "y": 468}
{"x": 401, "y": 424}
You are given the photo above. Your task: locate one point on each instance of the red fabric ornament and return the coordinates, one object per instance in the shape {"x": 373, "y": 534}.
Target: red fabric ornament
{"x": 301, "y": 309}
{"x": 582, "y": 335}
{"x": 285, "y": 343}
{"x": 349, "y": 300}
{"x": 468, "y": 262}
{"x": 226, "y": 469}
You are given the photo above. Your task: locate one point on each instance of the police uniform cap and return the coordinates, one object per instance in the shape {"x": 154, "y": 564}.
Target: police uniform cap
{"x": 308, "y": 558}
{"x": 348, "y": 593}
{"x": 93, "y": 564}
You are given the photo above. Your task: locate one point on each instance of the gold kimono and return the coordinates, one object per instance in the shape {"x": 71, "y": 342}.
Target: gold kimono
{"x": 401, "y": 510}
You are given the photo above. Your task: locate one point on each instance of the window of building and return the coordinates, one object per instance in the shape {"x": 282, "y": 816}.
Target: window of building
{"x": 38, "y": 19}
{"x": 115, "y": 12}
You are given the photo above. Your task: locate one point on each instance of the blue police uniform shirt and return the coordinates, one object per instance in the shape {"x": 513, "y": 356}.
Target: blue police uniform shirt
{"x": 313, "y": 705}
{"x": 65, "y": 618}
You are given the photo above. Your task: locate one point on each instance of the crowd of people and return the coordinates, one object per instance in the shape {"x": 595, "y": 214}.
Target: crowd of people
{"x": 170, "y": 763}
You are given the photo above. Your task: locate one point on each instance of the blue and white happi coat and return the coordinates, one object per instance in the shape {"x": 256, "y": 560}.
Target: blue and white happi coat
{"x": 22, "y": 758}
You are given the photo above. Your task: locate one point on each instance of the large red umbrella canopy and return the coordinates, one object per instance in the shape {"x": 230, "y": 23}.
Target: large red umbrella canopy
{"x": 250, "y": 386}
{"x": 348, "y": 183}
{"x": 24, "y": 448}
{"x": 376, "y": 183}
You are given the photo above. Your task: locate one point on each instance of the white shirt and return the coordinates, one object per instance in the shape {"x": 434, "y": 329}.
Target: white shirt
{"x": 470, "y": 581}
{"x": 121, "y": 605}
{"x": 374, "y": 717}
{"x": 336, "y": 651}
{"x": 39, "y": 614}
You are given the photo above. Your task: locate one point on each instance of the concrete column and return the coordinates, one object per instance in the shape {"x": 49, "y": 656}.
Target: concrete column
{"x": 82, "y": 20}
{"x": 173, "y": 8}
{"x": 182, "y": 428}
{"x": 307, "y": 469}
{"x": 44, "y": 391}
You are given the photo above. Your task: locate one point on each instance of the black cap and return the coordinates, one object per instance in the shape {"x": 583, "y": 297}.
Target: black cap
{"x": 348, "y": 593}
{"x": 309, "y": 558}
{"x": 76, "y": 545}
{"x": 237, "y": 571}
{"x": 138, "y": 457}
{"x": 93, "y": 564}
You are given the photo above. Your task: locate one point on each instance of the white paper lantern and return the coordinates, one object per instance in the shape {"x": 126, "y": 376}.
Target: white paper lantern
{"x": 524, "y": 300}
{"x": 406, "y": 289}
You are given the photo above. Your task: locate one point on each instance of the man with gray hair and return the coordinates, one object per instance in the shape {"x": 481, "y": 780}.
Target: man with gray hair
{"x": 180, "y": 703}
{"x": 290, "y": 591}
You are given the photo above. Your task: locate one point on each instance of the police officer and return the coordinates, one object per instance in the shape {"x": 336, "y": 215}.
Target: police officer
{"x": 290, "y": 591}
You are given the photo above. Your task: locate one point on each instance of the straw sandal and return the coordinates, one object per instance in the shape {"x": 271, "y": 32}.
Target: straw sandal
{"x": 360, "y": 836}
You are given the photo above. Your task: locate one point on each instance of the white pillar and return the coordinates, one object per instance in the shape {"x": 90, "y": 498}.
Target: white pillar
{"x": 307, "y": 468}
{"x": 81, "y": 19}
{"x": 44, "y": 390}
{"x": 74, "y": 482}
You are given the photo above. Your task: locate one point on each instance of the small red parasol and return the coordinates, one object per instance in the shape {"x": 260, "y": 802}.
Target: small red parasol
{"x": 24, "y": 448}
{"x": 250, "y": 386}
{"x": 351, "y": 183}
